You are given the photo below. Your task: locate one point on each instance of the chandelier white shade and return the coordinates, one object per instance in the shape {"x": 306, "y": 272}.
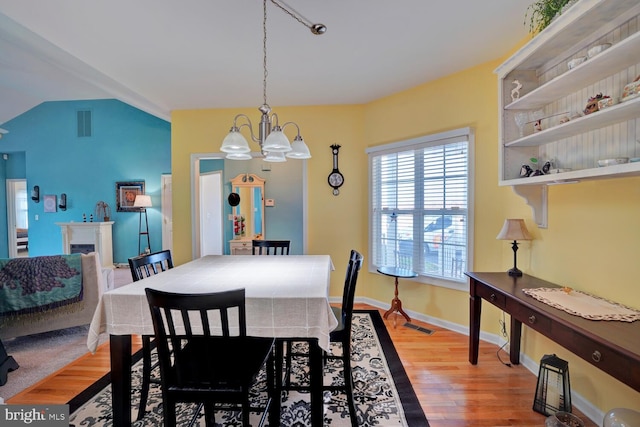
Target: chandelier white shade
{"x": 271, "y": 137}
{"x": 299, "y": 150}
{"x": 275, "y": 157}
{"x": 276, "y": 141}
{"x": 235, "y": 143}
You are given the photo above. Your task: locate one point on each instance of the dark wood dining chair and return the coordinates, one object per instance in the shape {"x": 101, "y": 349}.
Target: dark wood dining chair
{"x": 144, "y": 266}
{"x": 341, "y": 334}
{"x": 202, "y": 361}
{"x": 271, "y": 247}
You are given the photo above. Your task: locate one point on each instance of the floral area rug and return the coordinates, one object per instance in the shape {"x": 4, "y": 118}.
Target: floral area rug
{"x": 382, "y": 392}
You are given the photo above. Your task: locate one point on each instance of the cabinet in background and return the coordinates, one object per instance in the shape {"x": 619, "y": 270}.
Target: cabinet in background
{"x": 241, "y": 247}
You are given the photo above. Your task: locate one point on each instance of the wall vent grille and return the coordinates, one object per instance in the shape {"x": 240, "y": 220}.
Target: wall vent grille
{"x": 84, "y": 123}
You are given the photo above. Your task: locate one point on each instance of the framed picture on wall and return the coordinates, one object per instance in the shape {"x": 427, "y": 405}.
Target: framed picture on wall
{"x": 50, "y": 203}
{"x": 126, "y": 192}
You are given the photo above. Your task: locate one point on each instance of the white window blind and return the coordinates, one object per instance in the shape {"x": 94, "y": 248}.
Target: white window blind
{"x": 419, "y": 205}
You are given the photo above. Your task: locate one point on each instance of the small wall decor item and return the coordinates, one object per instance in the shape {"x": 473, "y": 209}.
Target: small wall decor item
{"x": 63, "y": 202}
{"x": 103, "y": 210}
{"x": 35, "y": 194}
{"x": 126, "y": 192}
{"x": 50, "y": 204}
{"x": 336, "y": 179}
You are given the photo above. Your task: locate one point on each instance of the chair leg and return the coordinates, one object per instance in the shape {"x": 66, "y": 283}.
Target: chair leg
{"x": 209, "y": 415}
{"x": 146, "y": 375}
{"x": 246, "y": 412}
{"x": 274, "y": 392}
{"x": 348, "y": 385}
{"x": 169, "y": 412}
{"x": 287, "y": 369}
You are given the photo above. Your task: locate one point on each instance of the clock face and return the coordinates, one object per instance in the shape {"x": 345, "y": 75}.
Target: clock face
{"x": 336, "y": 179}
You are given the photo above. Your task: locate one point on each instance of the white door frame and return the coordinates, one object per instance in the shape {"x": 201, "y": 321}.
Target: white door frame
{"x": 167, "y": 212}
{"x": 12, "y": 240}
{"x": 211, "y": 211}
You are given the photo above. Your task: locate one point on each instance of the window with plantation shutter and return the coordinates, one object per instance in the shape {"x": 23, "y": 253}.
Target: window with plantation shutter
{"x": 420, "y": 198}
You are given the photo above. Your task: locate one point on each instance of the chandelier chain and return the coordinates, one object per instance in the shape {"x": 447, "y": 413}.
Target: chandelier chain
{"x": 264, "y": 52}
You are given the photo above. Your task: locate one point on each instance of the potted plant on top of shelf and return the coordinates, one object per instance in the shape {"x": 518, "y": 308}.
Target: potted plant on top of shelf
{"x": 542, "y": 12}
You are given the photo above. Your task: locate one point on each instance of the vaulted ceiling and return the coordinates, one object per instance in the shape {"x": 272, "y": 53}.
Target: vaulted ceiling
{"x": 164, "y": 55}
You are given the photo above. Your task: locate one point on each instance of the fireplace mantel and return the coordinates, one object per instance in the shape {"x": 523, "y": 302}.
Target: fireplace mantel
{"x": 96, "y": 234}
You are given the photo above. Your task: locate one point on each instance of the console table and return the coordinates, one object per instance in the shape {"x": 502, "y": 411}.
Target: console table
{"x": 612, "y": 346}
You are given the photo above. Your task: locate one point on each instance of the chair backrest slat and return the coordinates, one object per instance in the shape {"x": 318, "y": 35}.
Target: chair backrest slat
{"x": 271, "y": 247}
{"x": 141, "y": 266}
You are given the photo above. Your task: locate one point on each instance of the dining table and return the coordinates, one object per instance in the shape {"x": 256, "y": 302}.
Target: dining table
{"x": 286, "y": 297}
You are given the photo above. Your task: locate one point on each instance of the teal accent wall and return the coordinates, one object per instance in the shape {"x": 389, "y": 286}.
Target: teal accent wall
{"x": 126, "y": 144}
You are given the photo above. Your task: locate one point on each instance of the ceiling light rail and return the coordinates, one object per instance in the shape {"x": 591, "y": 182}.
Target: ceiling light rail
{"x": 274, "y": 144}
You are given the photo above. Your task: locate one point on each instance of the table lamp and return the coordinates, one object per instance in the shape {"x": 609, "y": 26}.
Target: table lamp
{"x": 514, "y": 229}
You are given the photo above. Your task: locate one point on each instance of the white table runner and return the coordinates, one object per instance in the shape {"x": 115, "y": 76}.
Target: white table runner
{"x": 286, "y": 296}
{"x": 582, "y": 304}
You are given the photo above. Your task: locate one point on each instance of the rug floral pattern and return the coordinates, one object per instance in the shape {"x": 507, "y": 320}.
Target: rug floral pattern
{"x": 375, "y": 394}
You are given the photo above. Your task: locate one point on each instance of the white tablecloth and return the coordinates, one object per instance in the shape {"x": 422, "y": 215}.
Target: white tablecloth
{"x": 286, "y": 296}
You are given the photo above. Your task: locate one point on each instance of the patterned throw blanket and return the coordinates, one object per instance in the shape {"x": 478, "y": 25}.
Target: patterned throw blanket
{"x": 34, "y": 285}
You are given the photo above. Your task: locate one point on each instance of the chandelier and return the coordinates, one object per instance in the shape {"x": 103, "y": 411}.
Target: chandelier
{"x": 274, "y": 144}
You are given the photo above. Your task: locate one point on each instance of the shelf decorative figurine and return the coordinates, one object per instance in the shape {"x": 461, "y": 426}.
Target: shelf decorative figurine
{"x": 593, "y": 104}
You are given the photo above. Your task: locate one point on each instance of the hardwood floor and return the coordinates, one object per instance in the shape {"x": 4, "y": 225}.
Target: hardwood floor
{"x": 453, "y": 393}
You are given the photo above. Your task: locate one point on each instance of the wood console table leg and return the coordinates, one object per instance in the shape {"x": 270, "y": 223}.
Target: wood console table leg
{"x": 475, "y": 308}
{"x": 514, "y": 346}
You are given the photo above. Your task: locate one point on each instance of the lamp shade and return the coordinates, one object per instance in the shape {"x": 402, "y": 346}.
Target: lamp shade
{"x": 142, "y": 201}
{"x": 514, "y": 229}
{"x": 235, "y": 142}
{"x": 275, "y": 157}
{"x": 238, "y": 156}
{"x": 276, "y": 141}
{"x": 299, "y": 150}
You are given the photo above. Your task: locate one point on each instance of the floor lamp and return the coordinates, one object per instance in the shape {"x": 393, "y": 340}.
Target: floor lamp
{"x": 143, "y": 202}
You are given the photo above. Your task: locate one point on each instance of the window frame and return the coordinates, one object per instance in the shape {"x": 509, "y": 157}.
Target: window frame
{"x": 425, "y": 141}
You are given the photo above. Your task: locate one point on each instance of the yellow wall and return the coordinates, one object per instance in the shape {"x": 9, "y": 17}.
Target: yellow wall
{"x": 590, "y": 243}
{"x": 337, "y": 224}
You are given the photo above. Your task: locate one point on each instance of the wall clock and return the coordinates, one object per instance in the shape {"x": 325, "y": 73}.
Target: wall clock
{"x": 336, "y": 179}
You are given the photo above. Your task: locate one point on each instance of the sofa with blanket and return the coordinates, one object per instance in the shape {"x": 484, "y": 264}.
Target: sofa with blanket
{"x": 95, "y": 280}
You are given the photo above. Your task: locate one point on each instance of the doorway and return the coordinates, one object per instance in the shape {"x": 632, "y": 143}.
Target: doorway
{"x": 211, "y": 231}
{"x": 17, "y": 218}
